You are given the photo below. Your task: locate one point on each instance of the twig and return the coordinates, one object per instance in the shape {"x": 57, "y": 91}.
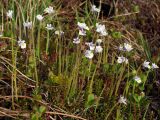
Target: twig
{"x": 67, "y": 115}
{"x": 5, "y": 114}
{"x": 2, "y": 58}
{"x": 8, "y": 112}
{"x": 127, "y": 14}
{"x": 12, "y": 113}
{"x": 5, "y": 97}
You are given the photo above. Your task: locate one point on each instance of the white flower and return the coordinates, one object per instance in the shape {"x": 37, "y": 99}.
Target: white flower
{"x": 126, "y": 61}
{"x": 103, "y": 33}
{"x": 98, "y": 49}
{"x": 59, "y": 32}
{"x": 49, "y": 27}
{"x": 27, "y": 25}
{"x": 89, "y": 54}
{"x": 82, "y": 26}
{"x": 91, "y": 45}
{"x": 10, "y": 13}
{"x": 99, "y": 41}
{"x": 122, "y": 60}
{"x": 126, "y": 47}
{"x": 76, "y": 40}
{"x": 22, "y": 44}
{"x": 94, "y": 9}
{"x": 137, "y": 79}
{"x": 154, "y": 66}
{"x": 39, "y": 17}
{"x": 121, "y": 48}
{"x": 123, "y": 100}
{"x": 82, "y": 32}
{"x": 146, "y": 64}
{"x": 49, "y": 10}
{"x": 101, "y": 29}
{"x": 88, "y": 43}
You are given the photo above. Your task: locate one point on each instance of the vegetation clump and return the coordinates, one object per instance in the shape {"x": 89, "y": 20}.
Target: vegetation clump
{"x": 84, "y": 60}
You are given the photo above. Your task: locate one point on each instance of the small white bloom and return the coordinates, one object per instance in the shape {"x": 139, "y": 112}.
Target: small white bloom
{"x": 94, "y": 9}
{"x": 10, "y": 14}
{"x": 154, "y": 66}
{"x": 123, "y": 100}
{"x": 98, "y": 49}
{"x": 22, "y": 44}
{"x": 91, "y": 45}
{"x": 99, "y": 41}
{"x": 101, "y": 29}
{"x": 39, "y": 17}
{"x": 76, "y": 40}
{"x": 121, "y": 48}
{"x": 89, "y": 54}
{"x": 82, "y": 32}
{"x": 49, "y": 10}
{"x": 126, "y": 61}
{"x": 59, "y": 32}
{"x": 122, "y": 60}
{"x": 82, "y": 26}
{"x": 49, "y": 27}
{"x": 137, "y": 79}
{"x": 127, "y": 47}
{"x": 27, "y": 25}
{"x": 146, "y": 64}
{"x": 103, "y": 33}
{"x": 88, "y": 43}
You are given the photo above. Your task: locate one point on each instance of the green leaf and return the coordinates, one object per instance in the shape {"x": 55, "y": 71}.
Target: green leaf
{"x": 141, "y": 87}
{"x": 143, "y": 77}
{"x": 137, "y": 98}
{"x": 106, "y": 67}
{"x": 117, "y": 35}
{"x": 34, "y": 117}
{"x": 42, "y": 109}
{"x": 136, "y": 8}
{"x": 90, "y": 97}
{"x": 90, "y": 100}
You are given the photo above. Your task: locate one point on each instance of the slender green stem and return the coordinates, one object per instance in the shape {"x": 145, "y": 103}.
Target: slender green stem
{"x": 47, "y": 44}
{"x": 35, "y": 59}
{"x": 146, "y": 77}
{"x": 14, "y": 81}
{"x": 38, "y": 41}
{"x": 60, "y": 58}
{"x": 127, "y": 83}
{"x": 145, "y": 112}
{"x": 97, "y": 65}
{"x": 90, "y": 64}
{"x": 74, "y": 75}
{"x": 106, "y": 118}
{"x": 134, "y": 85}
{"x": 97, "y": 102}
{"x": 119, "y": 79}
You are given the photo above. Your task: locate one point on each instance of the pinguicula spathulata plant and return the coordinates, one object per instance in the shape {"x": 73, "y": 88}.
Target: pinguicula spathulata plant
{"x": 73, "y": 65}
